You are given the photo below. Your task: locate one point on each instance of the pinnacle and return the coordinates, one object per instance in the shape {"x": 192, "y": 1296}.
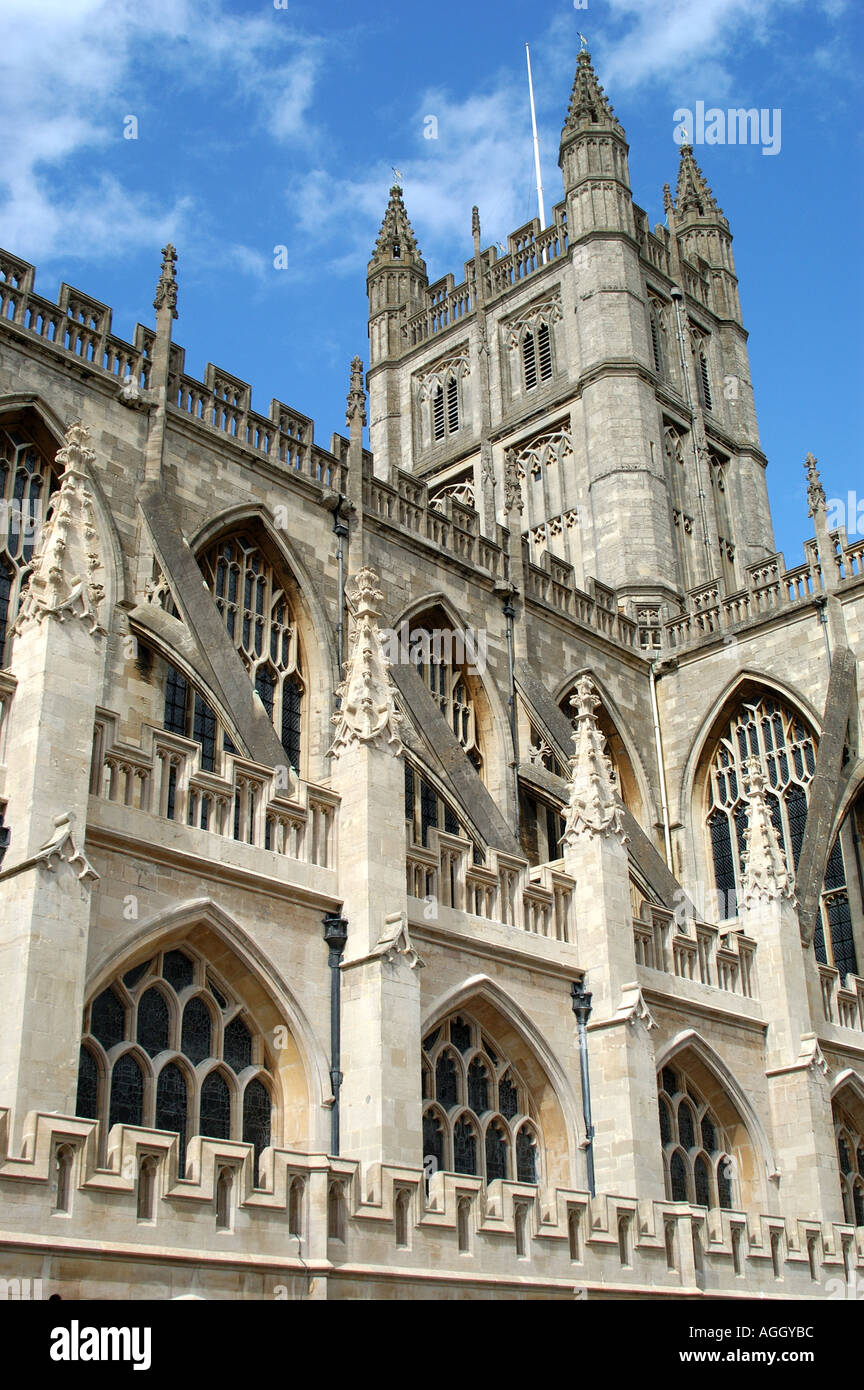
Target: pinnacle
{"x": 589, "y": 105}
{"x": 396, "y": 239}
{"x": 693, "y": 197}
{"x": 166, "y": 289}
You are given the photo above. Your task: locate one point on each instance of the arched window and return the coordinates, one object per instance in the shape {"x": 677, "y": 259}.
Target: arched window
{"x": 766, "y": 728}
{"x": 695, "y": 1150}
{"x": 403, "y": 1216}
{"x": 657, "y": 325}
{"x": 850, "y": 1162}
{"x": 336, "y": 1211}
{"x": 27, "y": 480}
{"x": 224, "y": 1196}
{"x": 253, "y": 598}
{"x": 700, "y": 358}
{"x": 443, "y": 655}
{"x": 64, "y": 1160}
{"x": 494, "y": 1135}
{"x": 536, "y": 355}
{"x": 150, "y": 1029}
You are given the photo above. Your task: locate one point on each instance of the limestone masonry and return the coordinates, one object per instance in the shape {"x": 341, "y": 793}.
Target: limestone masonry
{"x": 430, "y": 871}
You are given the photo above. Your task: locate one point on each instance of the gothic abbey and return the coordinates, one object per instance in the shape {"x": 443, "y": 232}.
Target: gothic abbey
{"x": 517, "y": 959}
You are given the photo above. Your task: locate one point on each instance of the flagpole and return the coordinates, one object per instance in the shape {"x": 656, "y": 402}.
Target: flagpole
{"x": 536, "y": 142}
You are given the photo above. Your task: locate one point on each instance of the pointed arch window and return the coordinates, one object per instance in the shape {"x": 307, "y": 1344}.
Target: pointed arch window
{"x": 253, "y": 597}
{"x": 696, "y": 1156}
{"x": 657, "y": 326}
{"x": 703, "y": 377}
{"x": 478, "y": 1117}
{"x": 150, "y": 1030}
{"x": 443, "y": 655}
{"x": 27, "y": 480}
{"x": 850, "y": 1163}
{"x": 536, "y": 355}
{"x": 766, "y": 728}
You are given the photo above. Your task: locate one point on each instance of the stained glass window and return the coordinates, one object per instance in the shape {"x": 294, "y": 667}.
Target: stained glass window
{"x": 87, "y": 1099}
{"x": 685, "y": 1125}
{"x": 127, "y": 1092}
{"x": 196, "y": 1041}
{"x": 215, "y": 1107}
{"x": 153, "y": 1022}
{"x": 108, "y": 1019}
{"x": 176, "y": 700}
{"x": 178, "y": 969}
{"x": 237, "y": 1047}
{"x": 702, "y": 1182}
{"x": 678, "y": 1174}
{"x": 256, "y": 1119}
{"x": 171, "y": 1105}
{"x": 131, "y": 978}
{"x": 481, "y": 1137}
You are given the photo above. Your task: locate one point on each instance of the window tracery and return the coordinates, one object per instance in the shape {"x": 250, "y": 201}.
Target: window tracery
{"x": 478, "y": 1116}
{"x": 696, "y": 1159}
{"x": 27, "y": 480}
{"x": 850, "y": 1163}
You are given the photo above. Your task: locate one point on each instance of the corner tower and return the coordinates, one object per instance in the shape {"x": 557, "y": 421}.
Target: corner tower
{"x": 396, "y": 282}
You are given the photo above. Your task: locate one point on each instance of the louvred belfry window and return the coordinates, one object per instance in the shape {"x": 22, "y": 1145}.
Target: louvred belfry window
{"x": 253, "y": 600}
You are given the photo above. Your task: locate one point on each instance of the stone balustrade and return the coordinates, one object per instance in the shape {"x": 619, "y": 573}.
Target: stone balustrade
{"x": 842, "y": 999}
{"x": 246, "y": 802}
{"x": 693, "y": 950}
{"x": 451, "y": 527}
{"x": 503, "y": 889}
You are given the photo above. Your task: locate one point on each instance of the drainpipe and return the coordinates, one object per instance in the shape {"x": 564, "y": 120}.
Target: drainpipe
{"x": 509, "y": 615}
{"x": 661, "y": 766}
{"x": 336, "y": 935}
{"x": 821, "y": 602}
{"x": 677, "y": 296}
{"x": 340, "y": 530}
{"x": 581, "y": 1002}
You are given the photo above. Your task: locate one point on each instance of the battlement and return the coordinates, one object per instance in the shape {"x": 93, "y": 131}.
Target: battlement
{"x": 80, "y": 327}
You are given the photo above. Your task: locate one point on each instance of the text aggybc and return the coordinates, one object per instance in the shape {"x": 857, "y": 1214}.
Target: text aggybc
{"x": 742, "y": 1333}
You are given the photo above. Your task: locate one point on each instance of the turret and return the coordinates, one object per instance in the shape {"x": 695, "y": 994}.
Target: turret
{"x": 593, "y": 159}
{"x": 703, "y": 233}
{"x": 396, "y": 280}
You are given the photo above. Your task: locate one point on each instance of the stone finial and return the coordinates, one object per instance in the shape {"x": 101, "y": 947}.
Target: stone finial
{"x": 356, "y": 394}
{"x": 396, "y": 239}
{"x": 589, "y": 105}
{"x": 63, "y": 580}
{"x": 592, "y": 808}
{"x": 693, "y": 197}
{"x": 668, "y": 201}
{"x": 513, "y": 499}
{"x": 815, "y": 491}
{"x": 166, "y": 289}
{"x": 766, "y": 874}
{"x": 475, "y": 221}
{"x": 368, "y": 711}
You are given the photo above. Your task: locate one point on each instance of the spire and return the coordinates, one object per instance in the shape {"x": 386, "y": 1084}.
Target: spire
{"x": 766, "y": 874}
{"x": 396, "y": 240}
{"x": 356, "y": 394}
{"x": 166, "y": 289}
{"x": 592, "y": 808}
{"x": 589, "y": 105}
{"x": 693, "y": 197}
{"x": 815, "y": 490}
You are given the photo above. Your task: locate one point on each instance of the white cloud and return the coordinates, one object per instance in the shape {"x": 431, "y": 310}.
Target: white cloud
{"x": 68, "y": 67}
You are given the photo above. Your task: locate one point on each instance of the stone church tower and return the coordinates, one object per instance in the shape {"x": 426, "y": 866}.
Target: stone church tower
{"x": 429, "y": 870}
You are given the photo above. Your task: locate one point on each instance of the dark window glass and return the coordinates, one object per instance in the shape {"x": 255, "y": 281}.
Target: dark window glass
{"x": 438, "y": 414}
{"x": 153, "y": 1022}
{"x": 451, "y": 824}
{"x": 669, "y": 1081}
{"x": 845, "y": 1160}
{"x": 256, "y": 1119}
{"x": 204, "y": 732}
{"x": 478, "y": 1087}
{"x": 433, "y": 1140}
{"x": 265, "y": 684}
{"x": 840, "y": 926}
{"x": 7, "y": 576}
{"x": 685, "y": 1125}
{"x": 665, "y": 1124}
{"x": 217, "y": 994}
{"x": 178, "y": 970}
{"x": 409, "y": 792}
{"x": 544, "y": 352}
{"x": 196, "y": 1040}
{"x": 464, "y": 1147}
{"x": 428, "y": 810}
{"x": 237, "y": 1048}
{"x": 87, "y": 1099}
{"x": 508, "y": 1097}
{"x": 452, "y": 406}
{"x": 526, "y": 1156}
{"x": 709, "y": 1134}
{"x": 215, "y": 1107}
{"x": 446, "y": 1083}
{"x": 496, "y": 1153}
{"x": 721, "y": 847}
{"x": 703, "y": 1182}
{"x": 796, "y": 808}
{"x": 724, "y": 1183}
{"x": 171, "y": 1106}
{"x": 460, "y": 1034}
{"x": 127, "y": 1092}
{"x": 858, "y": 1200}
{"x": 108, "y": 1019}
{"x": 678, "y": 1176}
{"x": 529, "y": 362}
{"x": 430, "y": 1039}
{"x": 292, "y": 699}
{"x": 176, "y": 696}
{"x": 131, "y": 978}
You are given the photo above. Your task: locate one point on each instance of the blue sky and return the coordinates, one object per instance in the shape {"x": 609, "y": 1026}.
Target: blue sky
{"x": 261, "y": 126}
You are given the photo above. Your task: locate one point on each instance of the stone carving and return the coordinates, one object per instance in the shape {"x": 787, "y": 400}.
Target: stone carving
{"x": 63, "y": 582}
{"x": 166, "y": 289}
{"x": 592, "y": 808}
{"x": 548, "y": 312}
{"x": 356, "y": 395}
{"x": 368, "y": 712}
{"x": 633, "y": 1008}
{"x": 766, "y": 873}
{"x": 395, "y": 943}
{"x": 60, "y": 849}
{"x": 815, "y": 490}
{"x": 513, "y": 475}
{"x": 811, "y": 1055}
